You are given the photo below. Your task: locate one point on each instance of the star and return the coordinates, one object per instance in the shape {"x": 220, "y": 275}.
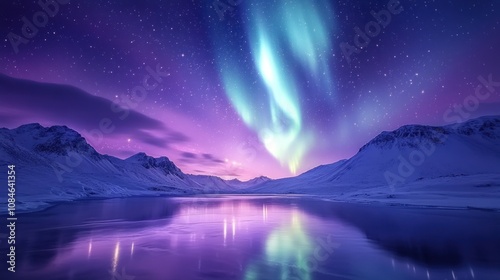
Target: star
{"x": 273, "y": 71}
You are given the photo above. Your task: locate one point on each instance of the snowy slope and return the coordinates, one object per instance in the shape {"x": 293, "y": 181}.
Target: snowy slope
{"x": 216, "y": 185}
{"x": 417, "y": 164}
{"x": 237, "y": 184}
{"x": 212, "y": 183}
{"x": 57, "y": 164}
{"x": 455, "y": 165}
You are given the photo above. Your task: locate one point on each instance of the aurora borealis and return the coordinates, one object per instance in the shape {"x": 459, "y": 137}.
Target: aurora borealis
{"x": 261, "y": 88}
{"x": 287, "y": 43}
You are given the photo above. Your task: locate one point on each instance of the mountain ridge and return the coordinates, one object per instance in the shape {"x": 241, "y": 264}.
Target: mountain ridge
{"x": 452, "y": 161}
{"x": 437, "y": 134}
{"x": 57, "y": 164}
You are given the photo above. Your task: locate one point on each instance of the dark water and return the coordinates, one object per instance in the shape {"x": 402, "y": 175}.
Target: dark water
{"x": 253, "y": 238}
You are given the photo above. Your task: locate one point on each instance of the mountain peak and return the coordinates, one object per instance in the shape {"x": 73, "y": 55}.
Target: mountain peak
{"x": 487, "y": 126}
{"x": 260, "y": 179}
{"x": 150, "y": 162}
{"x": 30, "y": 126}
{"x": 414, "y": 135}
{"x": 56, "y": 140}
{"x": 408, "y": 135}
{"x": 137, "y": 156}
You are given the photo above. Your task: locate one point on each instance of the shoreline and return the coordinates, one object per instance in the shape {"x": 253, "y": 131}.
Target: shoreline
{"x": 46, "y": 205}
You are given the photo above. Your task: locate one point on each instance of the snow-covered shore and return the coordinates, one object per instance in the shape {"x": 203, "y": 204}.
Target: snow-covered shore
{"x": 456, "y": 166}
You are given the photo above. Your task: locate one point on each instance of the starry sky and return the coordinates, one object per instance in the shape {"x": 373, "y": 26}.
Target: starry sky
{"x": 243, "y": 88}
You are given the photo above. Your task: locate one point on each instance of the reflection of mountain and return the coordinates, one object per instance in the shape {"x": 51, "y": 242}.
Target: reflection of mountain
{"x": 65, "y": 223}
{"x": 427, "y": 236}
{"x": 102, "y": 229}
{"x": 252, "y": 238}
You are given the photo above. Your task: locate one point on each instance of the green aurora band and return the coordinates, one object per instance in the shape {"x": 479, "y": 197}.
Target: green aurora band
{"x": 285, "y": 39}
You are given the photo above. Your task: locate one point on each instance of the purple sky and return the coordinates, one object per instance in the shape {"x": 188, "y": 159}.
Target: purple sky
{"x": 250, "y": 93}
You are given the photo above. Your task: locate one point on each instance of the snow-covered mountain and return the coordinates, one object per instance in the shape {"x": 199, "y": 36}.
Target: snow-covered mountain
{"x": 212, "y": 183}
{"x": 162, "y": 163}
{"x": 454, "y": 165}
{"x": 57, "y": 164}
{"x": 411, "y": 162}
{"x": 250, "y": 183}
{"x": 217, "y": 185}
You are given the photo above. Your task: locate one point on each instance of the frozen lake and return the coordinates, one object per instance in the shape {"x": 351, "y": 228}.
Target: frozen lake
{"x": 253, "y": 238}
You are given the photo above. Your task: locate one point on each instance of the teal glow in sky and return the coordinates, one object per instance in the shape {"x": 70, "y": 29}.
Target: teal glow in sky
{"x": 288, "y": 42}
{"x": 264, "y": 91}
